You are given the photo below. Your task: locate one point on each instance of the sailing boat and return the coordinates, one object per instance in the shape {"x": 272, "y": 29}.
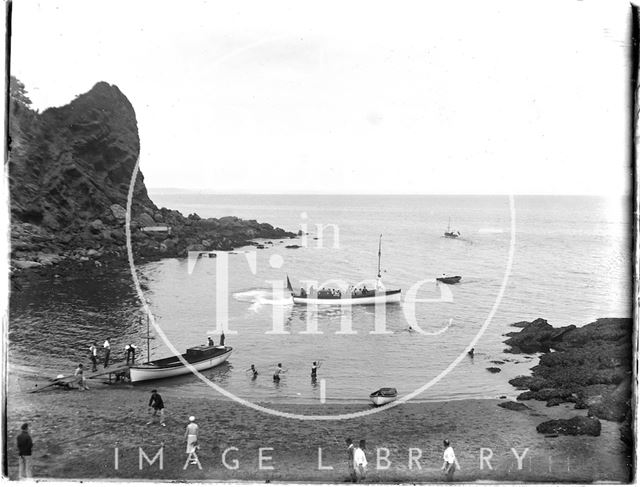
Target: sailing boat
{"x": 201, "y": 357}
{"x": 449, "y": 233}
{"x": 348, "y": 296}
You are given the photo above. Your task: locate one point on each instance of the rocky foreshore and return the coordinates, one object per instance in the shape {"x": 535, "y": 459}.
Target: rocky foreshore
{"x": 590, "y": 366}
{"x": 70, "y": 170}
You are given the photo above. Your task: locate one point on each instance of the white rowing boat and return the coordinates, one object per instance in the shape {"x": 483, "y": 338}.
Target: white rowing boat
{"x": 383, "y": 396}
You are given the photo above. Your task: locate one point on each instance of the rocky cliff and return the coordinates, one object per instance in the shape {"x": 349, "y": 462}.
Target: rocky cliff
{"x": 69, "y": 173}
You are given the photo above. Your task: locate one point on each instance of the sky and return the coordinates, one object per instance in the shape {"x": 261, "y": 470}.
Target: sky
{"x": 464, "y": 97}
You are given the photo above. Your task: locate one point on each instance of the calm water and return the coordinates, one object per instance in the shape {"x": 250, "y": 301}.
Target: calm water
{"x": 571, "y": 264}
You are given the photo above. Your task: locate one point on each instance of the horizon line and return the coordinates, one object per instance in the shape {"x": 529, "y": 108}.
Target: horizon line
{"x": 328, "y": 193}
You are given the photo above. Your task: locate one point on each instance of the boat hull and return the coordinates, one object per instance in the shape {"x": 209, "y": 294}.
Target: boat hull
{"x": 144, "y": 372}
{"x": 382, "y": 400}
{"x": 449, "y": 280}
{"x": 383, "y": 396}
{"x": 387, "y": 297}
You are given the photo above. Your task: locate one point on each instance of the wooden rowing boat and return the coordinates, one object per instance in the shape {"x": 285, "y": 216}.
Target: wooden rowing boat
{"x": 383, "y": 396}
{"x": 202, "y": 357}
{"x": 449, "y": 279}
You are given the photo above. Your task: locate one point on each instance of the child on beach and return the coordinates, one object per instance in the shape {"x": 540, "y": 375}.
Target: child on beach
{"x": 449, "y": 464}
{"x": 360, "y": 462}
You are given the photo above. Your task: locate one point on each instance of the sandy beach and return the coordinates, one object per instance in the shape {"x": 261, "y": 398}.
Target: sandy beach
{"x": 76, "y": 434}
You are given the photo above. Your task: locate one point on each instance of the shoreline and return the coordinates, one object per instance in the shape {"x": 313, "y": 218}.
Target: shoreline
{"x": 75, "y": 434}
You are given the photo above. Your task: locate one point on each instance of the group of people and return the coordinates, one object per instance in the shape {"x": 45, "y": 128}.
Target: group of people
{"x": 211, "y": 343}
{"x": 357, "y": 461}
{"x": 279, "y": 370}
{"x": 129, "y": 350}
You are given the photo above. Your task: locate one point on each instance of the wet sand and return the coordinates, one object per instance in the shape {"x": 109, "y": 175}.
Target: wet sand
{"x": 76, "y": 434}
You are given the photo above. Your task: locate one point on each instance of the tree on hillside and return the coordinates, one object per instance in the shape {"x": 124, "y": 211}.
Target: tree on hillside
{"x": 18, "y": 92}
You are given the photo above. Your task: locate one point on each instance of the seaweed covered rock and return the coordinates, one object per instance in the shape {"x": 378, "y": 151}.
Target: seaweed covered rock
{"x": 578, "y": 425}
{"x": 536, "y": 336}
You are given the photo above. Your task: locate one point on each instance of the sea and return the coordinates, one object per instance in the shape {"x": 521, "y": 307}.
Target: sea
{"x": 566, "y": 259}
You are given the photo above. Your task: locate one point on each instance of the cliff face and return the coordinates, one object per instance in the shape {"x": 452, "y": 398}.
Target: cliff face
{"x": 68, "y": 165}
{"x": 69, "y": 174}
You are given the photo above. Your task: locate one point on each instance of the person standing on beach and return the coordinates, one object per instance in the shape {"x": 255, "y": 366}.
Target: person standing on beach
{"x": 130, "y": 351}
{"x": 449, "y": 464}
{"x": 107, "y": 352}
{"x": 222, "y": 339}
{"x": 157, "y": 404}
{"x": 350, "y": 465}
{"x": 93, "y": 349}
{"x": 276, "y": 373}
{"x": 82, "y": 382}
{"x": 191, "y": 435}
{"x": 360, "y": 462}
{"x": 24, "y": 451}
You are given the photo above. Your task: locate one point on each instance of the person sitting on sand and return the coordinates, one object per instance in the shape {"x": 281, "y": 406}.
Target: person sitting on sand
{"x": 449, "y": 464}
{"x": 210, "y": 341}
{"x": 276, "y": 373}
{"x": 360, "y": 462}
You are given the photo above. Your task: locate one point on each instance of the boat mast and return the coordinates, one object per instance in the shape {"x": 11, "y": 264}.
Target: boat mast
{"x": 379, "y": 255}
{"x": 148, "y": 341}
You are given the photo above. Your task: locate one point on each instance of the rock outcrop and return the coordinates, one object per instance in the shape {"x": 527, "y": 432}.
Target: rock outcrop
{"x": 70, "y": 170}
{"x": 590, "y": 366}
{"x": 578, "y": 425}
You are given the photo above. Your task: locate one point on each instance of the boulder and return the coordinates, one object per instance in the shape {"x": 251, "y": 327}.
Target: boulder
{"x": 118, "y": 212}
{"x": 146, "y": 220}
{"x": 96, "y": 227}
{"x": 494, "y": 370}
{"x": 25, "y": 264}
{"x": 578, "y": 425}
{"x": 513, "y": 406}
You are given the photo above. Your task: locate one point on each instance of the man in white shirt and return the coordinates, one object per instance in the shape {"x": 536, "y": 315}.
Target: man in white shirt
{"x": 107, "y": 352}
{"x": 449, "y": 464}
{"x": 94, "y": 356}
{"x": 360, "y": 462}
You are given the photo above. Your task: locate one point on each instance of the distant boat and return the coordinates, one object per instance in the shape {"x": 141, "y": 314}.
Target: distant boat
{"x": 349, "y": 296}
{"x": 383, "y": 396}
{"x": 449, "y": 233}
{"x": 449, "y": 279}
{"x": 201, "y": 357}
